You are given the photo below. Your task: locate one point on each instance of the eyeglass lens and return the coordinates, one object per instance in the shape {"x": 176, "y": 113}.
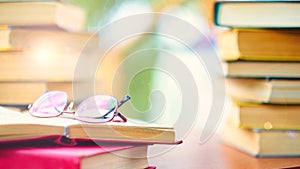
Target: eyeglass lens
{"x": 50, "y": 104}
{"x": 96, "y": 108}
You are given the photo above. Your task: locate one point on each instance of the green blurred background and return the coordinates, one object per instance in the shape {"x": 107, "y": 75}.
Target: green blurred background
{"x": 102, "y": 12}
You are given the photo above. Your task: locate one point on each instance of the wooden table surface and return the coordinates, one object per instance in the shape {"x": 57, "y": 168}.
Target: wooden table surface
{"x": 214, "y": 155}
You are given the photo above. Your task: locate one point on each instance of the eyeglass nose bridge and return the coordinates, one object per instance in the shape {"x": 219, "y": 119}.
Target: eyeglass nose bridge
{"x": 29, "y": 106}
{"x": 70, "y": 106}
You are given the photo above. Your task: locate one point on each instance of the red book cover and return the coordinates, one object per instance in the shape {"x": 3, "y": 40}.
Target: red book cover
{"x": 72, "y": 157}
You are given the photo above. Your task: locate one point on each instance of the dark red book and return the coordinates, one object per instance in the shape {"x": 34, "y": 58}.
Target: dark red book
{"x": 73, "y": 157}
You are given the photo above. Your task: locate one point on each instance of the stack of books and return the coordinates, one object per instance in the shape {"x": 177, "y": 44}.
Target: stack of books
{"x": 40, "y": 43}
{"x": 67, "y": 143}
{"x": 259, "y": 44}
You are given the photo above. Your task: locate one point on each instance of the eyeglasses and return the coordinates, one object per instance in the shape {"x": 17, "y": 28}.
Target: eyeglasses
{"x": 95, "y": 109}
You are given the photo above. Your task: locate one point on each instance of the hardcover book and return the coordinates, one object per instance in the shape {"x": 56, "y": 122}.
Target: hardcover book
{"x": 261, "y": 90}
{"x": 66, "y": 16}
{"x": 259, "y": 69}
{"x": 257, "y": 13}
{"x": 25, "y": 93}
{"x": 74, "y": 157}
{"x": 266, "y": 116}
{"x": 4, "y": 38}
{"x": 262, "y": 143}
{"x": 40, "y": 64}
{"x": 259, "y": 44}
{"x": 57, "y": 39}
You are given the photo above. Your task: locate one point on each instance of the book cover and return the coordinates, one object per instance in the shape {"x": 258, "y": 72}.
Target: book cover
{"x": 74, "y": 157}
{"x": 262, "y": 69}
{"x": 32, "y": 37}
{"x": 259, "y": 44}
{"x": 257, "y": 13}
{"x": 24, "y": 93}
{"x": 4, "y": 38}
{"x": 66, "y": 16}
{"x": 264, "y": 90}
{"x": 39, "y": 64}
{"x": 262, "y": 143}
{"x": 266, "y": 116}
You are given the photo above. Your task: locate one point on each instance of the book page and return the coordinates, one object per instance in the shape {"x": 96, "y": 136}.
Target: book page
{"x": 10, "y": 117}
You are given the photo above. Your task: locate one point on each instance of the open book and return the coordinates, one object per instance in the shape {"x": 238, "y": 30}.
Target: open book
{"x": 19, "y": 126}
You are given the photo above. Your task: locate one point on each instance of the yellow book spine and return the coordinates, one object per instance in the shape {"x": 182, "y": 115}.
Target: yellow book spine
{"x": 4, "y": 38}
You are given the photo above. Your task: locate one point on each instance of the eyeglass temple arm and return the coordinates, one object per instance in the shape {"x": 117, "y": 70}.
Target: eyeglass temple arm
{"x": 124, "y": 100}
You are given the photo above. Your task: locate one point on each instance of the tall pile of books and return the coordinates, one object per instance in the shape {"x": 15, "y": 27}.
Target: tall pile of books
{"x": 40, "y": 42}
{"x": 259, "y": 45}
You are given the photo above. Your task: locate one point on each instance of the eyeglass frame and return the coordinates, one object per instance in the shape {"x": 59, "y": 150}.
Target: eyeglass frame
{"x": 69, "y": 106}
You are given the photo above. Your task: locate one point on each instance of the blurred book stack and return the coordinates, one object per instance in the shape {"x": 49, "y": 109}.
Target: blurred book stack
{"x": 259, "y": 44}
{"x": 40, "y": 42}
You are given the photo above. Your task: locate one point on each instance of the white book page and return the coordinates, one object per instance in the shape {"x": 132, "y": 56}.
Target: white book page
{"x": 9, "y": 117}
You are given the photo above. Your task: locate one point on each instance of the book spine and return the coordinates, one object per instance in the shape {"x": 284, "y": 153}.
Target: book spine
{"x": 216, "y": 13}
